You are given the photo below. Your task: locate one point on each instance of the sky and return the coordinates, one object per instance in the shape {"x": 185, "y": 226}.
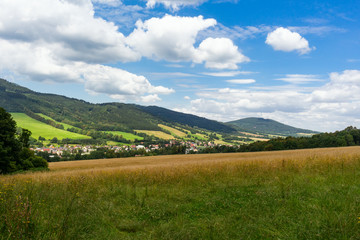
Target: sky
{"x": 296, "y": 62}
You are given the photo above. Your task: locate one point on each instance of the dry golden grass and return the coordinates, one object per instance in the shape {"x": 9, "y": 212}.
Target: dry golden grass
{"x": 173, "y": 130}
{"x": 158, "y": 134}
{"x": 300, "y": 194}
{"x": 186, "y": 164}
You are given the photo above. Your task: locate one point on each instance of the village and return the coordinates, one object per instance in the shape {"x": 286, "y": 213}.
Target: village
{"x": 67, "y": 150}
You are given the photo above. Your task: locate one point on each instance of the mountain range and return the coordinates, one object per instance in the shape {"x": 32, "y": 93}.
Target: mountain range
{"x": 124, "y": 117}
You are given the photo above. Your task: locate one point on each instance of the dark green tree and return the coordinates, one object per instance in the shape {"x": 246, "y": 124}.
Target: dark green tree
{"x": 10, "y": 147}
{"x": 14, "y": 149}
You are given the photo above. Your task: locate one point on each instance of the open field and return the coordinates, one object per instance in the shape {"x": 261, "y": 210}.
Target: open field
{"x": 41, "y": 129}
{"x": 301, "y": 194}
{"x": 127, "y": 136}
{"x": 66, "y": 126}
{"x": 158, "y": 134}
{"x": 173, "y": 130}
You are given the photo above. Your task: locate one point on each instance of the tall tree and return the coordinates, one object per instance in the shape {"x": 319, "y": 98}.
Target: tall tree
{"x": 14, "y": 150}
{"x": 10, "y": 147}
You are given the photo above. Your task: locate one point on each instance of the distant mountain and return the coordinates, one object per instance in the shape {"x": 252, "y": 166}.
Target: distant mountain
{"x": 267, "y": 126}
{"x": 101, "y": 117}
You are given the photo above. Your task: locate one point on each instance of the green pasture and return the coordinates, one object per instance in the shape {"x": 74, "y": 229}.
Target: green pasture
{"x": 44, "y": 130}
{"x": 66, "y": 126}
{"x": 127, "y": 136}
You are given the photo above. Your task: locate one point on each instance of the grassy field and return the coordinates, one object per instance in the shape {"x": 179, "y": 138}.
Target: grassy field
{"x": 127, "y": 136}
{"x": 158, "y": 134}
{"x": 302, "y": 194}
{"x": 66, "y": 126}
{"x": 173, "y": 131}
{"x": 41, "y": 129}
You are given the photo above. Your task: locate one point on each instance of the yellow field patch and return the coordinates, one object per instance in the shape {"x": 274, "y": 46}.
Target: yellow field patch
{"x": 173, "y": 130}
{"x": 158, "y": 134}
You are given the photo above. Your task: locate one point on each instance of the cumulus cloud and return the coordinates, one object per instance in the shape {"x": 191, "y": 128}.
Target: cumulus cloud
{"x": 174, "y": 4}
{"x": 219, "y": 53}
{"x": 114, "y": 81}
{"x": 333, "y": 106}
{"x": 62, "y": 41}
{"x": 282, "y": 39}
{"x": 172, "y": 38}
{"x": 343, "y": 87}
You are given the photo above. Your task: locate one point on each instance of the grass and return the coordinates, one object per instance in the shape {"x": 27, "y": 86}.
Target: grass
{"x": 66, "y": 126}
{"x": 302, "y": 194}
{"x": 158, "y": 134}
{"x": 41, "y": 129}
{"x": 127, "y": 136}
{"x": 173, "y": 131}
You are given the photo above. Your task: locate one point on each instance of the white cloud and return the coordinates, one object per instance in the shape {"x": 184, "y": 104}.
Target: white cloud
{"x": 62, "y": 41}
{"x": 174, "y": 4}
{"x": 241, "y": 81}
{"x": 227, "y": 74}
{"x": 121, "y": 84}
{"x": 187, "y": 98}
{"x": 69, "y": 24}
{"x": 219, "y": 53}
{"x": 282, "y": 39}
{"x": 170, "y": 38}
{"x": 150, "y": 98}
{"x": 343, "y": 87}
{"x": 108, "y": 2}
{"x": 300, "y": 78}
{"x": 333, "y": 106}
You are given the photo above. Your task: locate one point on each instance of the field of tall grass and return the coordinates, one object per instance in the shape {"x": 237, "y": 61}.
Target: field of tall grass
{"x": 301, "y": 194}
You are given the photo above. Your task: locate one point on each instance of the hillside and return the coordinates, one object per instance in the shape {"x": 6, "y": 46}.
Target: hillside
{"x": 267, "y": 126}
{"x": 42, "y": 129}
{"x": 187, "y": 119}
{"x": 100, "y": 117}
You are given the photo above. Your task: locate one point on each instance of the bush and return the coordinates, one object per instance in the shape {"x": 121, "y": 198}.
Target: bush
{"x": 39, "y": 162}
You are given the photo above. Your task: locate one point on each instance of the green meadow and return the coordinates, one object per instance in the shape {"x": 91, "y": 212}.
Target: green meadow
{"x": 301, "y": 194}
{"x": 44, "y": 130}
{"x": 66, "y": 126}
{"x": 127, "y": 136}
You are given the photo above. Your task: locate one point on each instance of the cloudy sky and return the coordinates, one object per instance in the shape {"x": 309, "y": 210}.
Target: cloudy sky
{"x": 297, "y": 62}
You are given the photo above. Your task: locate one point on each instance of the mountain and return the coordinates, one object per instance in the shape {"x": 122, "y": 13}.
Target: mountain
{"x": 101, "y": 117}
{"x": 267, "y": 126}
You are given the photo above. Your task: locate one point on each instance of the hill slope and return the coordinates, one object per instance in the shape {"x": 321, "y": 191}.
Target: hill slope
{"x": 101, "y": 117}
{"x": 187, "y": 119}
{"x": 267, "y": 126}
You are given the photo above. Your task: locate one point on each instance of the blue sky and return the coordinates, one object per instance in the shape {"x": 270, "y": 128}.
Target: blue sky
{"x": 297, "y": 62}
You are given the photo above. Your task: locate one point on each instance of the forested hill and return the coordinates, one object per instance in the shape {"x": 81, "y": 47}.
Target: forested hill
{"x": 107, "y": 116}
{"x": 187, "y": 119}
{"x": 267, "y": 126}
{"x": 114, "y": 116}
